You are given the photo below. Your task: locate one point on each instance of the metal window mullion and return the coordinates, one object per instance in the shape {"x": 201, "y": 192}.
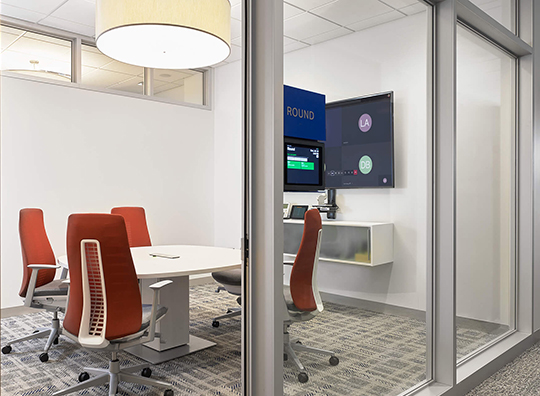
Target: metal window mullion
{"x": 263, "y": 186}
{"x": 76, "y": 60}
{"x": 444, "y": 337}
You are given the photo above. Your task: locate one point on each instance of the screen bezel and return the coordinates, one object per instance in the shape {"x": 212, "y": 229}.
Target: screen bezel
{"x": 288, "y": 187}
{"x": 366, "y": 99}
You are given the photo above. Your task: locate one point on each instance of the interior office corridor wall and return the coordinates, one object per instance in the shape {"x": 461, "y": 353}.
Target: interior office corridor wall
{"x": 69, "y": 150}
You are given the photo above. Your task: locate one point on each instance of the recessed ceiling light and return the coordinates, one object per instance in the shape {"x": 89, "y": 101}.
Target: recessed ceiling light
{"x": 141, "y": 83}
{"x": 165, "y": 34}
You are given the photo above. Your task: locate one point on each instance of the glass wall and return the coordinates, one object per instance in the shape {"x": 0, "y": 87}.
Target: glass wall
{"x": 485, "y": 181}
{"x": 374, "y": 316}
{"x": 179, "y": 85}
{"x": 503, "y": 11}
{"x": 35, "y": 54}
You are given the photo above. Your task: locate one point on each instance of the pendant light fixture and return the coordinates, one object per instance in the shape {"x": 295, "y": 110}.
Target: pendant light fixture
{"x": 164, "y": 34}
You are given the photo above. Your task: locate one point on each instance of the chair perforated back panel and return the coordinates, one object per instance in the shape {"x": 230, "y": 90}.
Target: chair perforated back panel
{"x": 136, "y": 226}
{"x": 302, "y": 271}
{"x": 97, "y": 297}
{"x": 123, "y": 299}
{"x": 35, "y": 247}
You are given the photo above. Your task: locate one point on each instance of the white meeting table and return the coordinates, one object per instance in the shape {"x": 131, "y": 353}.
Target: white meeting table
{"x": 175, "y": 340}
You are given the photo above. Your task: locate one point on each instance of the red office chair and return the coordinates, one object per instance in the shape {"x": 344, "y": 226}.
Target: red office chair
{"x": 39, "y": 289}
{"x": 302, "y": 299}
{"x": 137, "y": 229}
{"x": 104, "y": 310}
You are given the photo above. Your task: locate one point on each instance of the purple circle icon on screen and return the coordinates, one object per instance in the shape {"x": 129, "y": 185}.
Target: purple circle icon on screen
{"x": 385, "y": 180}
{"x": 364, "y": 123}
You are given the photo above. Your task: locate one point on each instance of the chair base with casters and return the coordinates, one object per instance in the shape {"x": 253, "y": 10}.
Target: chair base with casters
{"x": 53, "y": 333}
{"x": 113, "y": 375}
{"x": 290, "y": 345}
{"x": 91, "y": 377}
{"x": 51, "y": 297}
{"x": 232, "y": 282}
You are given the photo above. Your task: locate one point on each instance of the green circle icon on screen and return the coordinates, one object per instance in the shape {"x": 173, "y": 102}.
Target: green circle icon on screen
{"x": 365, "y": 164}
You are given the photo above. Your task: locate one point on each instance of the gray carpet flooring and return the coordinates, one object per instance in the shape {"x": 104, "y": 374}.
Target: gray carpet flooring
{"x": 380, "y": 354}
{"x": 519, "y": 377}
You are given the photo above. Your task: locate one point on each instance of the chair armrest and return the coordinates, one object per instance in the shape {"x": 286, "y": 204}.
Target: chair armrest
{"x": 159, "y": 285}
{"x": 288, "y": 263}
{"x": 66, "y": 281}
{"x": 156, "y": 287}
{"x": 33, "y": 279}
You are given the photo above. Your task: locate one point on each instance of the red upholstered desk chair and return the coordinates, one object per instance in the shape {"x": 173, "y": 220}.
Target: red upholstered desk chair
{"x": 105, "y": 310}
{"x": 136, "y": 226}
{"x": 39, "y": 289}
{"x": 302, "y": 299}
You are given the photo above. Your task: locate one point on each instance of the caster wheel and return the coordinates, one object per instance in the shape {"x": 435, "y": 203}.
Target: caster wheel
{"x": 229, "y": 311}
{"x": 44, "y": 357}
{"x": 215, "y": 323}
{"x": 303, "y": 377}
{"x": 55, "y": 342}
{"x": 84, "y": 376}
{"x": 334, "y": 361}
{"x": 168, "y": 392}
{"x": 299, "y": 342}
{"x": 146, "y": 372}
{"x": 285, "y": 357}
{"x": 35, "y": 331}
{"x": 6, "y": 349}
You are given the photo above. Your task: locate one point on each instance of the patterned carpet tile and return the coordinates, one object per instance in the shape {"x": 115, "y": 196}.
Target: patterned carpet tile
{"x": 380, "y": 354}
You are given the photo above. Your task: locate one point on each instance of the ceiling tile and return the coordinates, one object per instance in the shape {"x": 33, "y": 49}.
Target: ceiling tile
{"x": 308, "y": 4}
{"x": 346, "y": 12}
{"x": 68, "y": 26}
{"x": 237, "y": 41}
{"x": 170, "y": 76}
{"x": 289, "y": 11}
{"x": 8, "y": 36}
{"x": 21, "y": 13}
{"x": 236, "y": 28}
{"x": 414, "y": 9}
{"x": 236, "y": 12}
{"x": 39, "y": 6}
{"x": 307, "y": 25}
{"x": 104, "y": 78}
{"x": 294, "y": 46}
{"x": 332, "y": 34}
{"x": 39, "y": 49}
{"x": 378, "y": 20}
{"x": 131, "y": 85}
{"x": 123, "y": 68}
{"x": 399, "y": 3}
{"x": 236, "y": 54}
{"x": 92, "y": 57}
{"x": 288, "y": 40}
{"x": 166, "y": 87}
{"x": 78, "y": 11}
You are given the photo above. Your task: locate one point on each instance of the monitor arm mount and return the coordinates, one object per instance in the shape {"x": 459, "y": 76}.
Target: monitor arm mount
{"x": 327, "y": 203}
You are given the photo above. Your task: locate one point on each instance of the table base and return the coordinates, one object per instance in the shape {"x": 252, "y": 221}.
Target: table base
{"x": 156, "y": 357}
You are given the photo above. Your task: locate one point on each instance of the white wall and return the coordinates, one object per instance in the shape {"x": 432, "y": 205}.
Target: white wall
{"x": 69, "y": 150}
{"x": 392, "y": 56}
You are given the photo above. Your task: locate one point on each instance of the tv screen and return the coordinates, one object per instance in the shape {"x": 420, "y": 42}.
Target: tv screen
{"x": 360, "y": 142}
{"x": 304, "y": 165}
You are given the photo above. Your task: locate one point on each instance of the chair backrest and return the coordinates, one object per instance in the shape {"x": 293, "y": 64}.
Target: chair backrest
{"x": 136, "y": 226}
{"x": 35, "y": 247}
{"x": 304, "y": 290}
{"x": 104, "y": 298}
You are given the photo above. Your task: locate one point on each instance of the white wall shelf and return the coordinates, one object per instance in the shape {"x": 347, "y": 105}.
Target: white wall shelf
{"x": 358, "y": 243}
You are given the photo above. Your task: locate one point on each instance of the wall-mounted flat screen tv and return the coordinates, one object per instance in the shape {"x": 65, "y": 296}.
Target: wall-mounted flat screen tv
{"x": 360, "y": 142}
{"x": 304, "y": 165}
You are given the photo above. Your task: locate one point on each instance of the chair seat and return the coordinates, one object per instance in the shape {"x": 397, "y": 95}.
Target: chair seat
{"x": 229, "y": 277}
{"x": 146, "y": 317}
{"x": 54, "y": 288}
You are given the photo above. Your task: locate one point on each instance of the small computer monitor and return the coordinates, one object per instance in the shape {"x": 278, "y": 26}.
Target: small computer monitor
{"x": 304, "y": 165}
